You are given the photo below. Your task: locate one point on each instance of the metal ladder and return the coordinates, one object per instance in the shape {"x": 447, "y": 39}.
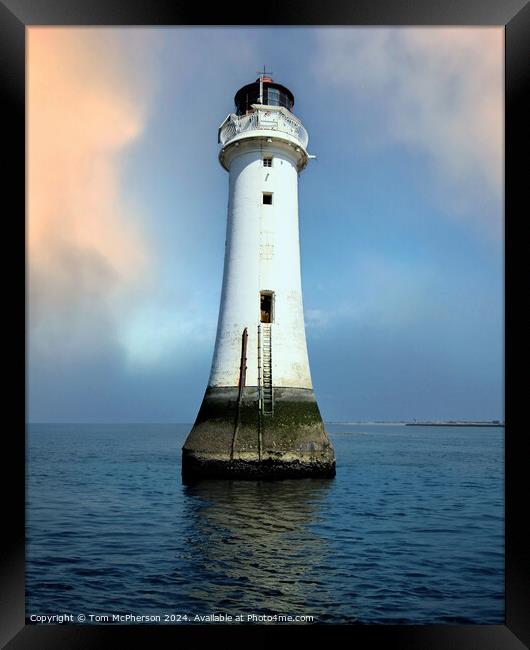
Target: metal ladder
{"x": 266, "y": 360}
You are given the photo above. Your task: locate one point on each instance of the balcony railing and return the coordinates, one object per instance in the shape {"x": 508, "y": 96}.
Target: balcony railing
{"x": 263, "y": 120}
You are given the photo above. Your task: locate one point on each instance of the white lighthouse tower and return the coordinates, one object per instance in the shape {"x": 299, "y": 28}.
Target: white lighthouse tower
{"x": 259, "y": 416}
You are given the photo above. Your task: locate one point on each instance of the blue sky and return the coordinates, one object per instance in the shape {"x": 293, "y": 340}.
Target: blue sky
{"x": 401, "y": 216}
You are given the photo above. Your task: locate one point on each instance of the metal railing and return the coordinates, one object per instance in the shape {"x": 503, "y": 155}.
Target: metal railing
{"x": 263, "y": 120}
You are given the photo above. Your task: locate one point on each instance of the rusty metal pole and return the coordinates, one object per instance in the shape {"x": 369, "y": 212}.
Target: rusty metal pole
{"x": 242, "y": 379}
{"x": 243, "y": 366}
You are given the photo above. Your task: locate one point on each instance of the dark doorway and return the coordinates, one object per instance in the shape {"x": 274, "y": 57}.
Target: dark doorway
{"x": 266, "y": 306}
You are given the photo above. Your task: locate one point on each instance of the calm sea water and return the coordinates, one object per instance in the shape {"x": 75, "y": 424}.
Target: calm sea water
{"x": 410, "y": 531}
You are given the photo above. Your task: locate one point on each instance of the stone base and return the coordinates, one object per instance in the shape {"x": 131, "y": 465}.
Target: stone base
{"x": 289, "y": 443}
{"x": 194, "y": 469}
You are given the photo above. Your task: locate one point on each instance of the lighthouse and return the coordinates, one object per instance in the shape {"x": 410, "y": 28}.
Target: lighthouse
{"x": 259, "y": 417}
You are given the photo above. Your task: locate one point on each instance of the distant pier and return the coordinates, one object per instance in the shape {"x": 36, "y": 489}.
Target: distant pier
{"x": 494, "y": 423}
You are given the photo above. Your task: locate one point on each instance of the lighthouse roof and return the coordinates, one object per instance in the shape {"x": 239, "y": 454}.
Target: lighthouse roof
{"x": 274, "y": 94}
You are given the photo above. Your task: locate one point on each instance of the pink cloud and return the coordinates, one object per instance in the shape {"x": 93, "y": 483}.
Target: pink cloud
{"x": 84, "y": 108}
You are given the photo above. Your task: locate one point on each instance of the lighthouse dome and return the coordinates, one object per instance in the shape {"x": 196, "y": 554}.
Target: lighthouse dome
{"x": 274, "y": 94}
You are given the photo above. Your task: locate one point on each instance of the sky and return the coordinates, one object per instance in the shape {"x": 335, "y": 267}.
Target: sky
{"x": 401, "y": 216}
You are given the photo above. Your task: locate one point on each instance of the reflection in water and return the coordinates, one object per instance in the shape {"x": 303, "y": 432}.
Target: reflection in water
{"x": 251, "y": 545}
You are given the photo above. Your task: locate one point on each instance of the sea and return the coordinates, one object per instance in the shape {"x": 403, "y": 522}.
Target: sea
{"x": 410, "y": 531}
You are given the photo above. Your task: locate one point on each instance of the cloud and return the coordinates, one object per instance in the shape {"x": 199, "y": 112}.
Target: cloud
{"x": 159, "y": 334}
{"x": 436, "y": 91}
{"x": 86, "y": 105}
{"x": 390, "y": 294}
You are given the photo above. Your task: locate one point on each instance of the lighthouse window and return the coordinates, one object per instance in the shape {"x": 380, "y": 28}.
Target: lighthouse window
{"x": 267, "y": 161}
{"x": 266, "y": 302}
{"x": 267, "y": 198}
{"x": 273, "y": 97}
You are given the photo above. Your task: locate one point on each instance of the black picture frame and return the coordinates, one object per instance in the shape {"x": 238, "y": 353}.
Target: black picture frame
{"x": 15, "y": 16}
